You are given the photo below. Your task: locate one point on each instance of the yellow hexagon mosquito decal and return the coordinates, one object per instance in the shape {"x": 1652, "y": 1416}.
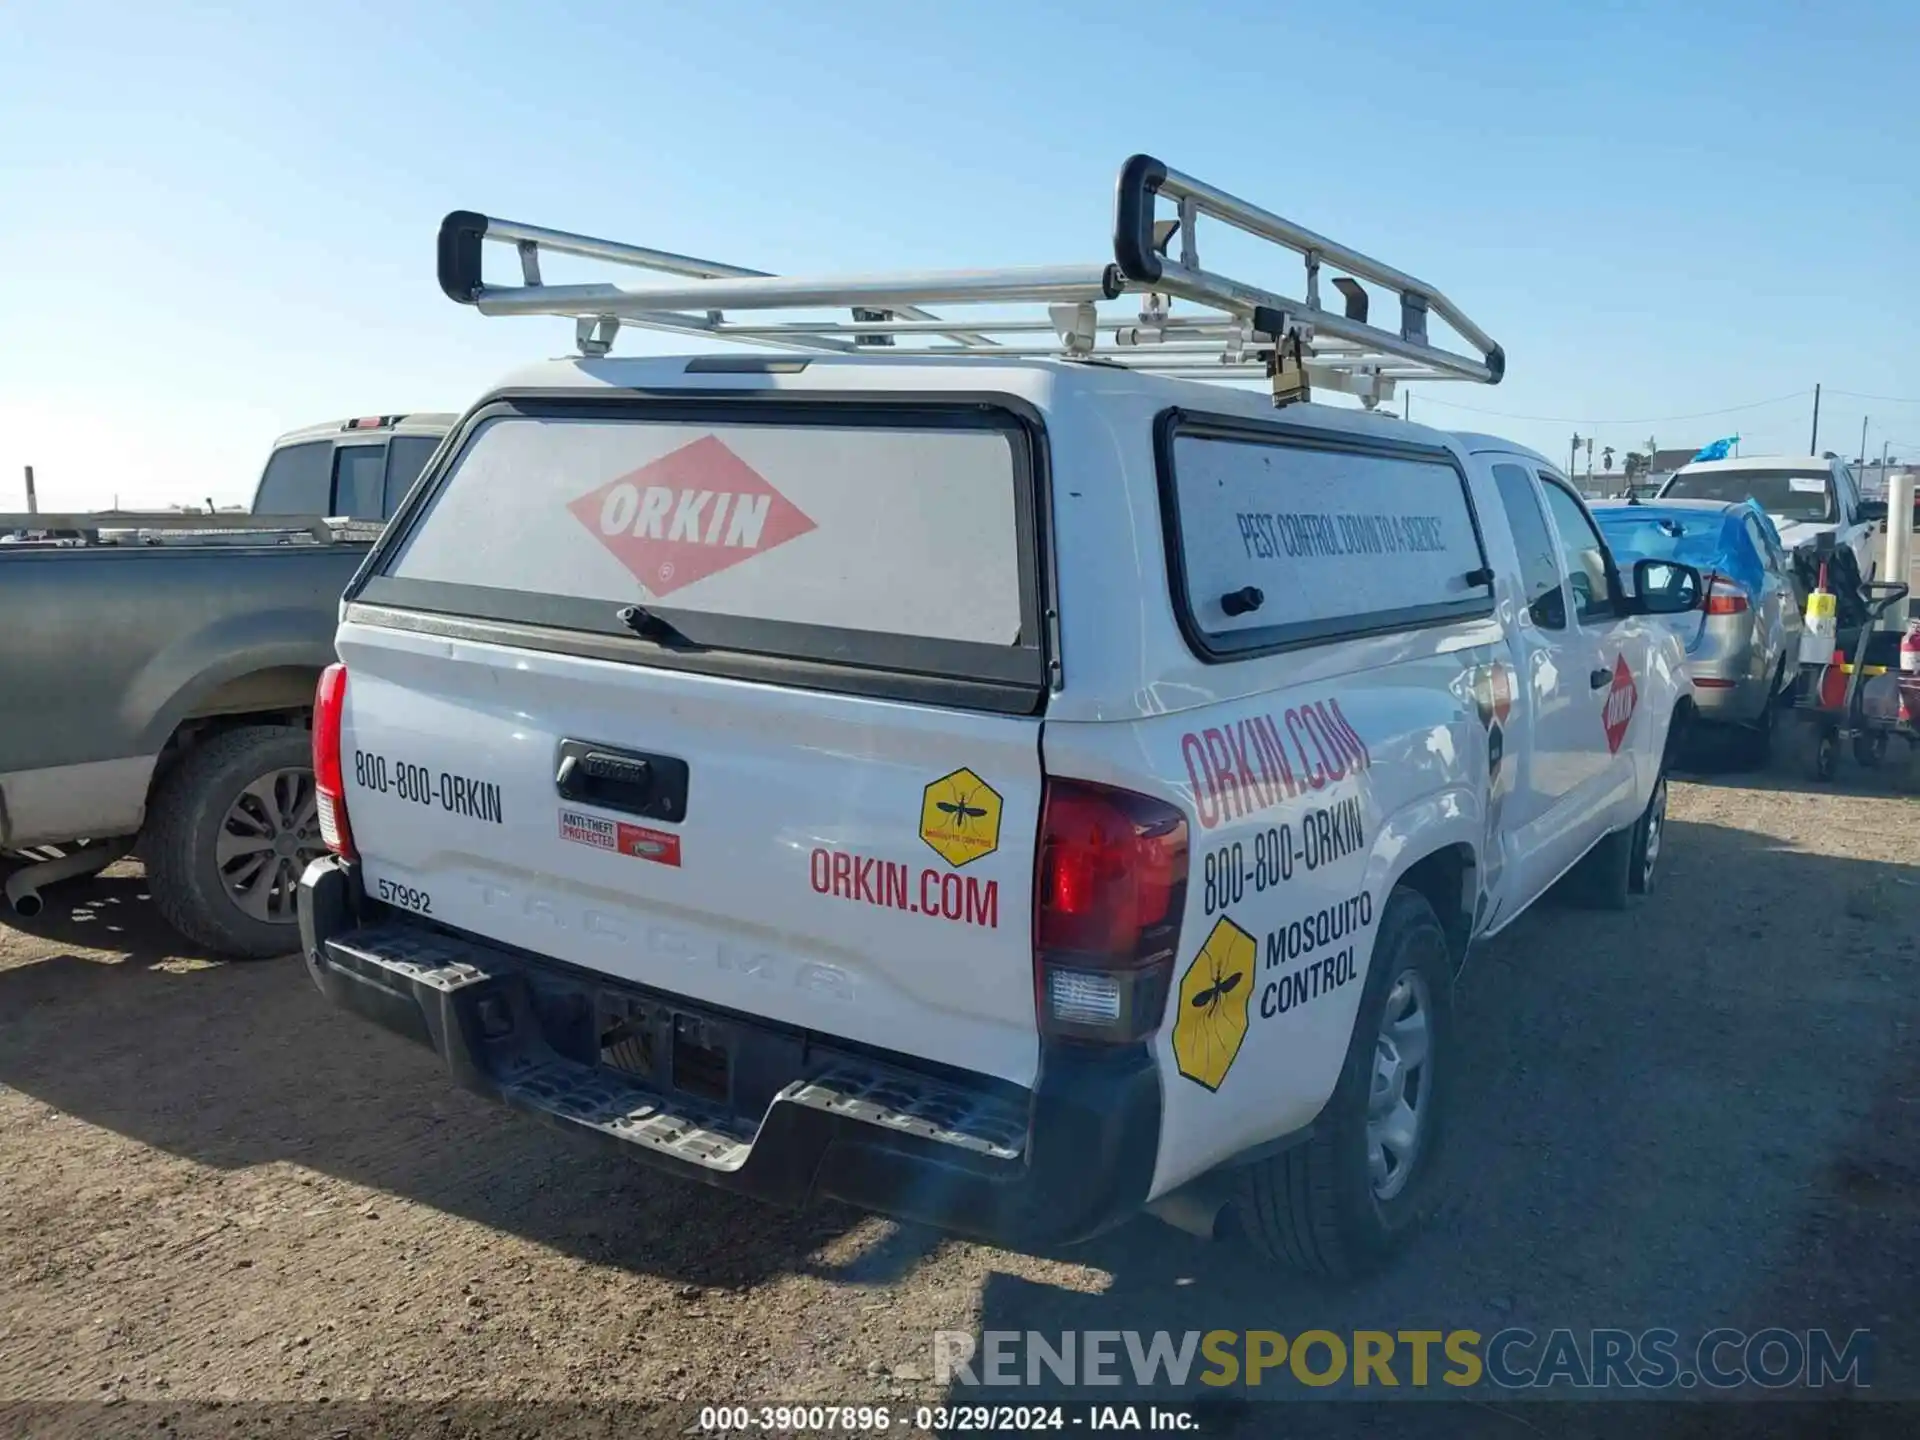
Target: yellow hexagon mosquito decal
{"x": 1213, "y": 1005}
{"x": 960, "y": 817}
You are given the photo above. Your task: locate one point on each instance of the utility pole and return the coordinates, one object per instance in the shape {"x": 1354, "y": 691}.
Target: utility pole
{"x": 1589, "y": 462}
{"x": 1813, "y": 445}
{"x": 1573, "y": 451}
{"x": 33, "y": 501}
{"x": 1863, "y": 438}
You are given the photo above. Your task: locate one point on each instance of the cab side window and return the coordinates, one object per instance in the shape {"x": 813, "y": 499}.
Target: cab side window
{"x": 1583, "y": 553}
{"x": 296, "y": 480}
{"x": 1545, "y": 599}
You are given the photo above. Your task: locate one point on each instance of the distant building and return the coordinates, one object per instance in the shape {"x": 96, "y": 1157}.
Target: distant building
{"x": 1665, "y": 462}
{"x": 1873, "y": 477}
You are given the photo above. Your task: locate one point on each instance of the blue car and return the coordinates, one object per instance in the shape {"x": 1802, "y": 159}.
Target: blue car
{"x": 1743, "y": 647}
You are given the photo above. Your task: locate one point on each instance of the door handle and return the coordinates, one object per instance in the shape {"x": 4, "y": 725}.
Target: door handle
{"x": 1599, "y": 679}
{"x": 653, "y": 787}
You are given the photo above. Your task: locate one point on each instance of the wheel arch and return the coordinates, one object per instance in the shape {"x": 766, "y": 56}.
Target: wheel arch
{"x": 1449, "y": 879}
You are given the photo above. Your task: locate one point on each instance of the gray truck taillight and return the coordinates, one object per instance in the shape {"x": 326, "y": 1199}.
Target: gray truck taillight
{"x": 1109, "y": 889}
{"x": 329, "y": 776}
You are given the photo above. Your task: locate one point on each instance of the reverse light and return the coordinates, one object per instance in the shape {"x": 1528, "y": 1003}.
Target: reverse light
{"x": 329, "y": 777}
{"x": 1109, "y": 889}
{"x": 1725, "y": 597}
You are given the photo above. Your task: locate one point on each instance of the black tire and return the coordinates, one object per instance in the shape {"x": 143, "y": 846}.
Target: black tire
{"x": 1826, "y": 754}
{"x": 1753, "y": 744}
{"x": 186, "y": 815}
{"x": 1870, "y": 749}
{"x": 1617, "y": 871}
{"x": 1314, "y": 1207}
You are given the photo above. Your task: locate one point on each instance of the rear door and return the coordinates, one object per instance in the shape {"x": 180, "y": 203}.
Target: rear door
{"x": 1776, "y": 607}
{"x": 735, "y": 700}
{"x": 1553, "y": 656}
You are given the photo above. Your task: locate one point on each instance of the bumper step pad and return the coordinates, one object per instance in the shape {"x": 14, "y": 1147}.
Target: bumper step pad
{"x": 466, "y": 979}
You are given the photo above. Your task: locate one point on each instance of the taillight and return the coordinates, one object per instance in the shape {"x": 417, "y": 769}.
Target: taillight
{"x": 329, "y": 778}
{"x": 1110, "y": 887}
{"x": 1724, "y": 597}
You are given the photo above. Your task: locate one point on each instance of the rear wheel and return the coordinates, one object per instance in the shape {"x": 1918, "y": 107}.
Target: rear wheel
{"x": 1870, "y": 748}
{"x": 1626, "y": 863}
{"x": 229, "y": 830}
{"x": 1342, "y": 1201}
{"x": 1753, "y": 744}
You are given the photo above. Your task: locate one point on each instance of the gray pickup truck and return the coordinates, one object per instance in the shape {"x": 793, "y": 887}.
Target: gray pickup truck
{"x": 157, "y": 676}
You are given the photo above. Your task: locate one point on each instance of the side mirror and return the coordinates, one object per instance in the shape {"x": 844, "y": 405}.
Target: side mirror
{"x": 1666, "y": 587}
{"x": 1873, "y": 511}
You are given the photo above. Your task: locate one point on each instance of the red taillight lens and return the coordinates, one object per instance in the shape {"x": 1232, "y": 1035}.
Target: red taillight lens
{"x": 329, "y": 777}
{"x": 1110, "y": 886}
{"x": 1724, "y": 597}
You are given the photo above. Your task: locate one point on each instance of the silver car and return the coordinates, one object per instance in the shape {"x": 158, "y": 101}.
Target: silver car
{"x": 1743, "y": 647}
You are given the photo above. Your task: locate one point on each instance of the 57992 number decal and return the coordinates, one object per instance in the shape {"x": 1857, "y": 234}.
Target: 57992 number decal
{"x": 405, "y": 896}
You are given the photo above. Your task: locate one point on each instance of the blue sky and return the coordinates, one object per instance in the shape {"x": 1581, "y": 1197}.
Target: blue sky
{"x": 216, "y": 224}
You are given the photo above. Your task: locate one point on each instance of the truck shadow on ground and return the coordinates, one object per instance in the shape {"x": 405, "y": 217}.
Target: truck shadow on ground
{"x": 235, "y": 1065}
{"x": 1699, "y": 1113}
{"x": 1645, "y": 1108}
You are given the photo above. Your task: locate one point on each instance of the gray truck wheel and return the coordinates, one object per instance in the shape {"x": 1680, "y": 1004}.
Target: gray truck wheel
{"x": 1340, "y": 1202}
{"x": 229, "y": 830}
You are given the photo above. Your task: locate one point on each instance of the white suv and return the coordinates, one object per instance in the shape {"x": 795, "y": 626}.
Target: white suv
{"x": 1000, "y": 792}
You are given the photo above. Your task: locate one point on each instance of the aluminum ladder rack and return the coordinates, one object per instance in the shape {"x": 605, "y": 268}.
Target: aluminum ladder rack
{"x": 1236, "y": 331}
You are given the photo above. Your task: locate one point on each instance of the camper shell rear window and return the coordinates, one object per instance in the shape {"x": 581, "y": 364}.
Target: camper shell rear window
{"x": 1279, "y": 536}
{"x": 874, "y": 547}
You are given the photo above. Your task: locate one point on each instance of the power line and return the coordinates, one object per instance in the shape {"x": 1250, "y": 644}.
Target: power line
{"x": 1883, "y": 399}
{"x": 1427, "y": 398}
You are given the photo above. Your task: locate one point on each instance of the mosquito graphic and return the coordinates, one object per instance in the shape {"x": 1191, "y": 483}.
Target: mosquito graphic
{"x": 961, "y": 809}
{"x": 1210, "y": 998}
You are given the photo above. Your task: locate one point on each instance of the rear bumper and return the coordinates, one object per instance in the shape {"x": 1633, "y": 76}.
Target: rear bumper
{"x": 1738, "y": 704}
{"x": 1060, "y": 1162}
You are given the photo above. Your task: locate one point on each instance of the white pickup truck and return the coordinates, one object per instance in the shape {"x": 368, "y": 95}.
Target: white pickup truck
{"x": 999, "y": 790}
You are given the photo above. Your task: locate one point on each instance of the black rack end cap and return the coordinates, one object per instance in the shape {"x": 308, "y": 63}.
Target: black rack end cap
{"x": 1133, "y": 202}
{"x": 459, "y": 255}
{"x": 1497, "y": 364}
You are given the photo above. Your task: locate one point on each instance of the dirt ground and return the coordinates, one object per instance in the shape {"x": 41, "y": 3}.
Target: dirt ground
{"x": 213, "y": 1187}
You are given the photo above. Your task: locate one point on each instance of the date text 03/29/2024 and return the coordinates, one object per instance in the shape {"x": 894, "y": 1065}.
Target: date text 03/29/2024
{"x": 942, "y": 1419}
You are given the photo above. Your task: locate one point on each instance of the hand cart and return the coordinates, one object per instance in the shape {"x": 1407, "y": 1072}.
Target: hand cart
{"x": 1833, "y": 698}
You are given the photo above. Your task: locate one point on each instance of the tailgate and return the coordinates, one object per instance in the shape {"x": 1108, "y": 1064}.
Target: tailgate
{"x": 806, "y": 792}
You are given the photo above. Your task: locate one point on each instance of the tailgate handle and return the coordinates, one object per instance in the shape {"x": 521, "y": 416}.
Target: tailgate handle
{"x": 654, "y": 786}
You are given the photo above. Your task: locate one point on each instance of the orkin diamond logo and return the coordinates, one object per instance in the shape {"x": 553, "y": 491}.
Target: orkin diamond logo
{"x": 688, "y": 515}
{"x": 1622, "y": 699}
